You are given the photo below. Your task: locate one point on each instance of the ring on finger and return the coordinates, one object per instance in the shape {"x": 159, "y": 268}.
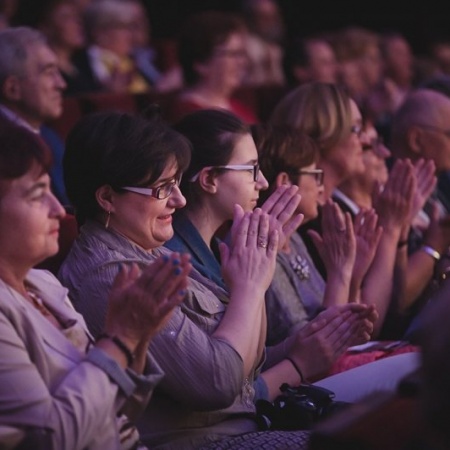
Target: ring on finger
{"x": 262, "y": 243}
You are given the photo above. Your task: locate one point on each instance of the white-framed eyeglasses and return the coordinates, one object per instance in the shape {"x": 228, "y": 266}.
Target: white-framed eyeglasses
{"x": 160, "y": 192}
{"x": 254, "y": 168}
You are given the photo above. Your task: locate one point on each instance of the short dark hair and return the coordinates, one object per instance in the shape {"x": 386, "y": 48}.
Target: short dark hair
{"x": 282, "y": 149}
{"x": 200, "y": 34}
{"x": 117, "y": 149}
{"x": 19, "y": 151}
{"x": 213, "y": 134}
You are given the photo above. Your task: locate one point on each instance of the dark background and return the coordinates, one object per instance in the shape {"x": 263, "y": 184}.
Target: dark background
{"x": 420, "y": 22}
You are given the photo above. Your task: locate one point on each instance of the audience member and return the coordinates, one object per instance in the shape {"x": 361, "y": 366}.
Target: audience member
{"x": 55, "y": 378}
{"x": 32, "y": 90}
{"x": 213, "y": 60}
{"x": 360, "y": 63}
{"x": 264, "y": 42}
{"x": 327, "y": 113}
{"x": 419, "y": 130}
{"x": 298, "y": 292}
{"x": 310, "y": 58}
{"x": 125, "y": 202}
{"x": 108, "y": 58}
{"x": 61, "y": 22}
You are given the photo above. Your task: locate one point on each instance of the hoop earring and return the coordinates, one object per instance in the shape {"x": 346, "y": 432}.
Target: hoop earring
{"x": 108, "y": 218}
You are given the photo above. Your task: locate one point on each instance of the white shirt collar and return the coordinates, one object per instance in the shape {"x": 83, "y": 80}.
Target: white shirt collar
{"x": 13, "y": 117}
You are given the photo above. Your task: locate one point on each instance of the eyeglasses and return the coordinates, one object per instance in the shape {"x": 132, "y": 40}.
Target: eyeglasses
{"x": 254, "y": 168}
{"x": 437, "y": 129}
{"x": 318, "y": 175}
{"x": 357, "y": 129}
{"x": 161, "y": 192}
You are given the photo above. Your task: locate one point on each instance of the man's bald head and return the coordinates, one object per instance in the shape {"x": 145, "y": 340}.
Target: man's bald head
{"x": 421, "y": 128}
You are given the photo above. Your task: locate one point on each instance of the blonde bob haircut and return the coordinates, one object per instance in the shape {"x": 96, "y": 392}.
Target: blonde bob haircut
{"x": 321, "y": 110}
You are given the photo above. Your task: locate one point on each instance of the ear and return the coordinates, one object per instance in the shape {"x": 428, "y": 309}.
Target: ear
{"x": 105, "y": 197}
{"x": 414, "y": 141}
{"x": 208, "y": 181}
{"x": 282, "y": 178}
{"x": 11, "y": 89}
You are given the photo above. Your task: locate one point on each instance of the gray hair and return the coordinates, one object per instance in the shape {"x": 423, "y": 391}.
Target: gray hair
{"x": 103, "y": 13}
{"x": 15, "y": 45}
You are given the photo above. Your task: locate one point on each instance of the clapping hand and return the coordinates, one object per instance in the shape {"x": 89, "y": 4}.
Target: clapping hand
{"x": 142, "y": 300}
{"x": 281, "y": 207}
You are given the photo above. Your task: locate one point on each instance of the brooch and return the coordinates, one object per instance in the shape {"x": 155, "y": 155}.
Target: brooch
{"x": 300, "y": 267}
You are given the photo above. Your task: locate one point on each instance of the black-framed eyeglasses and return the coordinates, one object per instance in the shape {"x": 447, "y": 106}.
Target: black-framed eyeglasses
{"x": 374, "y": 144}
{"x": 437, "y": 129}
{"x": 160, "y": 192}
{"x": 357, "y": 129}
{"x": 318, "y": 174}
{"x": 254, "y": 168}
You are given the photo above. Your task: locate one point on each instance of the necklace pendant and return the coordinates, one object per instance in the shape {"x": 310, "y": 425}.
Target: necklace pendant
{"x": 300, "y": 267}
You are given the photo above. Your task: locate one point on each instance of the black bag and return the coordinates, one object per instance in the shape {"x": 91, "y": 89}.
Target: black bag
{"x": 298, "y": 408}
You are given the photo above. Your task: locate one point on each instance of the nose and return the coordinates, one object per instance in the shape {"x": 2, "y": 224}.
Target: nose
{"x": 60, "y": 83}
{"x": 176, "y": 198}
{"x": 382, "y": 151}
{"x": 56, "y": 209}
{"x": 262, "y": 184}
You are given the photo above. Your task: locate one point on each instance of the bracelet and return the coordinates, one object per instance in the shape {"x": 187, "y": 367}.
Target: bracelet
{"x": 431, "y": 251}
{"x": 402, "y": 244}
{"x": 302, "y": 378}
{"x": 120, "y": 345}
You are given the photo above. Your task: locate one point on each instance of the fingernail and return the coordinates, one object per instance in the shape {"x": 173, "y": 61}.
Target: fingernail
{"x": 165, "y": 258}
{"x": 175, "y": 262}
{"x": 182, "y": 292}
{"x": 177, "y": 271}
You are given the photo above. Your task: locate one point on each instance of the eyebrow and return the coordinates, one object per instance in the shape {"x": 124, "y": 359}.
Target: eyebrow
{"x": 36, "y": 186}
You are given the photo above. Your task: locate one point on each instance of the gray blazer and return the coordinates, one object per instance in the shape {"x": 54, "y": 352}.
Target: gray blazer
{"x": 45, "y": 381}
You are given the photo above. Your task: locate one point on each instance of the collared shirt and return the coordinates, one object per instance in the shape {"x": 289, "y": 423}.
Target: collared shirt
{"x": 203, "y": 395}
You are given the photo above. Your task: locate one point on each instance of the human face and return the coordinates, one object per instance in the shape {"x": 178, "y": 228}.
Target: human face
{"x": 65, "y": 27}
{"x": 29, "y": 225}
{"x": 346, "y": 158}
{"x": 435, "y": 143}
{"x": 40, "y": 87}
{"x": 227, "y": 66}
{"x": 374, "y": 157}
{"x": 238, "y": 186}
{"x": 146, "y": 220}
{"x": 117, "y": 37}
{"x": 322, "y": 62}
{"x": 311, "y": 192}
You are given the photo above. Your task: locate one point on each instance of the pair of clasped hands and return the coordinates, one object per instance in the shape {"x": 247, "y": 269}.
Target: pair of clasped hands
{"x": 142, "y": 300}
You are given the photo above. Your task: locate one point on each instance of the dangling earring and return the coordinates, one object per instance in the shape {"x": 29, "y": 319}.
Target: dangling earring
{"x": 108, "y": 218}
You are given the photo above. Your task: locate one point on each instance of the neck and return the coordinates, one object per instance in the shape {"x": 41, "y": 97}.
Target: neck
{"x": 357, "y": 193}
{"x": 331, "y": 179}
{"x": 13, "y": 275}
{"x": 204, "y": 222}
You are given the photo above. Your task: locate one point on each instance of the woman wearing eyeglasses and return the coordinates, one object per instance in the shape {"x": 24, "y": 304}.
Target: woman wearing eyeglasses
{"x": 212, "y": 348}
{"x": 298, "y": 292}
{"x": 330, "y": 116}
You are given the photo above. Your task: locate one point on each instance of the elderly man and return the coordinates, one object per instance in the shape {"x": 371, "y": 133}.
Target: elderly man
{"x": 31, "y": 89}
{"x": 421, "y": 129}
